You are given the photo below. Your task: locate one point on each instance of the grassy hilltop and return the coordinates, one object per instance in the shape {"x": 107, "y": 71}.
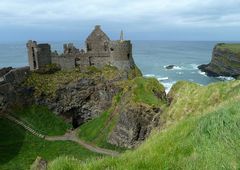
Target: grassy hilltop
{"x": 201, "y": 132}
{"x": 199, "y": 127}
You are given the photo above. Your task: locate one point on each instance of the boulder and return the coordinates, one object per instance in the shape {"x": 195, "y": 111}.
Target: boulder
{"x": 39, "y": 164}
{"x": 169, "y": 67}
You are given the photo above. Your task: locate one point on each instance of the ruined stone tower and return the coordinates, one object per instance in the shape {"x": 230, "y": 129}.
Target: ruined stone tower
{"x": 39, "y": 55}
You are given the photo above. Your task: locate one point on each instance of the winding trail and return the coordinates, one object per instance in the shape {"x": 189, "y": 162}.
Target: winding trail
{"x": 69, "y": 136}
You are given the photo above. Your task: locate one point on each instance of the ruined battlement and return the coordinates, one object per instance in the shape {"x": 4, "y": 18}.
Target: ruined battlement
{"x": 39, "y": 55}
{"x": 100, "y": 51}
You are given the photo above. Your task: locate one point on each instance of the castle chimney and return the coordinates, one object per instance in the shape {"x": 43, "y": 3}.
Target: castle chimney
{"x": 97, "y": 26}
{"x": 121, "y": 36}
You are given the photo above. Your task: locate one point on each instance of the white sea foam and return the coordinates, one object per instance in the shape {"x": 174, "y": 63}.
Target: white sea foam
{"x": 180, "y": 72}
{"x": 174, "y": 67}
{"x": 177, "y": 68}
{"x": 168, "y": 85}
{"x": 202, "y": 73}
{"x": 162, "y": 78}
{"x": 194, "y": 66}
{"x": 225, "y": 78}
{"x": 149, "y": 75}
{"x": 187, "y": 67}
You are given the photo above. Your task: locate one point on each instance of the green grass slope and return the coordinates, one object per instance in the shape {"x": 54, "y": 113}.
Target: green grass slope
{"x": 188, "y": 99}
{"x": 19, "y": 149}
{"x": 41, "y": 119}
{"x": 233, "y": 47}
{"x": 203, "y": 132}
{"x": 139, "y": 90}
{"x": 207, "y": 142}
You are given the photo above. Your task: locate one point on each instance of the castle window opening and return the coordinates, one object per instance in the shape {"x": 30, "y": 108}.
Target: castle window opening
{"x": 34, "y": 64}
{"x": 111, "y": 49}
{"x": 33, "y": 57}
{"x": 105, "y": 46}
{"x": 88, "y": 47}
{"x": 128, "y": 55}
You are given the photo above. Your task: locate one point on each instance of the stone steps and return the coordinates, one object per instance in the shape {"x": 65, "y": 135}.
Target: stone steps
{"x": 13, "y": 119}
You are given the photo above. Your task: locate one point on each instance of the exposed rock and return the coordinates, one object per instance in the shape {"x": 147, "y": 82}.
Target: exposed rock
{"x": 82, "y": 100}
{"x": 225, "y": 62}
{"x": 134, "y": 125}
{"x": 39, "y": 164}
{"x": 137, "y": 117}
{"x": 169, "y": 67}
{"x": 5, "y": 70}
{"x": 11, "y": 93}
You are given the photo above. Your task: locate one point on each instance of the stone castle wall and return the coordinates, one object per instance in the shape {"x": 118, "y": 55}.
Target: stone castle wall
{"x": 66, "y": 62}
{"x": 39, "y": 55}
{"x": 121, "y": 54}
{"x": 100, "y": 51}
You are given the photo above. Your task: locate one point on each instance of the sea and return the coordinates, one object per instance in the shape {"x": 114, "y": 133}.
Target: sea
{"x": 151, "y": 57}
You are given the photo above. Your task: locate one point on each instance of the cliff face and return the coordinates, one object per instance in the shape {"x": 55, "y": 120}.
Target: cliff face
{"x": 134, "y": 103}
{"x": 80, "y": 96}
{"x": 225, "y": 61}
{"x": 11, "y": 93}
{"x": 139, "y": 109}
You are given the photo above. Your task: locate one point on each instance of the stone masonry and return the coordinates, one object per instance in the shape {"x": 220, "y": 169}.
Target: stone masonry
{"x": 100, "y": 51}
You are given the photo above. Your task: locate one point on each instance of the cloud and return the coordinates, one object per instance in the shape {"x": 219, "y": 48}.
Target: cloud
{"x": 143, "y": 19}
{"x": 156, "y": 13}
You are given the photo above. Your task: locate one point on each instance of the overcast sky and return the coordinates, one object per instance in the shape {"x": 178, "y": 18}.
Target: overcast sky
{"x": 47, "y": 20}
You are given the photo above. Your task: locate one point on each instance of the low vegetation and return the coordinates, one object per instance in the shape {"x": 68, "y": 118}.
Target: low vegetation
{"x": 19, "y": 149}
{"x": 234, "y": 47}
{"x": 146, "y": 91}
{"x": 47, "y": 84}
{"x": 40, "y": 118}
{"x": 202, "y": 133}
{"x": 188, "y": 99}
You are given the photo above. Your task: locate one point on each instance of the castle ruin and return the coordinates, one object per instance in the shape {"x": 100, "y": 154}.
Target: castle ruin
{"x": 100, "y": 51}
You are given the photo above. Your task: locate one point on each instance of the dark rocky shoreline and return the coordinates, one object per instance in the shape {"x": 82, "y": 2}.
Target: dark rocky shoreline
{"x": 225, "y": 62}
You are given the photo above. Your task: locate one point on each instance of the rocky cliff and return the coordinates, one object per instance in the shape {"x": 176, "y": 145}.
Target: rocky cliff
{"x": 83, "y": 95}
{"x": 225, "y": 61}
{"x": 11, "y": 93}
{"x": 140, "y": 108}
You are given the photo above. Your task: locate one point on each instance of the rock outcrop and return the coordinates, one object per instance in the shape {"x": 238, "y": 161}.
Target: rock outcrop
{"x": 138, "y": 116}
{"x": 225, "y": 61}
{"x": 11, "y": 93}
{"x": 81, "y": 100}
{"x": 82, "y": 95}
{"x": 79, "y": 95}
{"x": 39, "y": 164}
{"x": 134, "y": 125}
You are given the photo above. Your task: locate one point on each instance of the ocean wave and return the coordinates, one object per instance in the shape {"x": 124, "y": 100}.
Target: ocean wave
{"x": 179, "y": 72}
{"x": 173, "y": 68}
{"x": 162, "y": 78}
{"x": 149, "y": 75}
{"x": 202, "y": 73}
{"x": 194, "y": 66}
{"x": 187, "y": 67}
{"x": 224, "y": 78}
{"x": 177, "y": 68}
{"x": 168, "y": 85}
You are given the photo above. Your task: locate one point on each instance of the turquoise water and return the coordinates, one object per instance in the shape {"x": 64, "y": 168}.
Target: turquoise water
{"x": 150, "y": 56}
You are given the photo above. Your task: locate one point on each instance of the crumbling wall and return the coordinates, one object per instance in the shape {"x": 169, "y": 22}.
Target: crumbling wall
{"x": 39, "y": 55}
{"x": 97, "y": 41}
{"x": 66, "y": 62}
{"x": 121, "y": 54}
{"x": 43, "y": 55}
